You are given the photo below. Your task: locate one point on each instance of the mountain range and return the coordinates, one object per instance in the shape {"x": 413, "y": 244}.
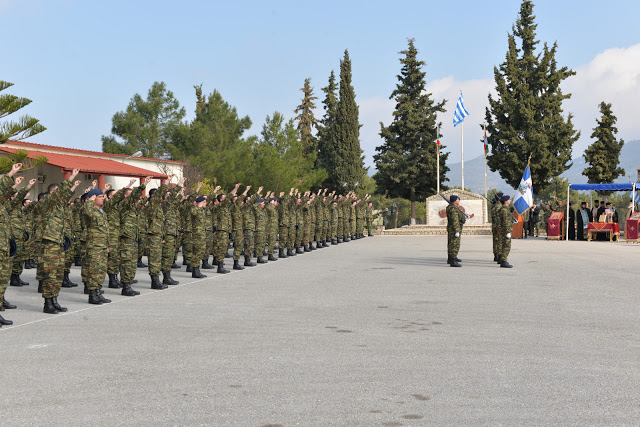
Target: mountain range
{"x": 474, "y": 171}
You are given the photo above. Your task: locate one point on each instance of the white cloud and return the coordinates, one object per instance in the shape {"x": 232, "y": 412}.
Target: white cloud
{"x": 613, "y": 76}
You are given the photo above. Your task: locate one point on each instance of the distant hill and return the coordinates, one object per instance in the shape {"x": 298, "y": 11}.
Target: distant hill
{"x": 474, "y": 171}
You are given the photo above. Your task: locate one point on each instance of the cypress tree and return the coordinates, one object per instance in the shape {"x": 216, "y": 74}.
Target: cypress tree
{"x": 348, "y": 160}
{"x": 407, "y": 162}
{"x": 526, "y": 120}
{"x": 603, "y": 155}
{"x": 327, "y": 126}
{"x": 306, "y": 119}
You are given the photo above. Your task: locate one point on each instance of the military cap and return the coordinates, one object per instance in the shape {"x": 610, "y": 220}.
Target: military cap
{"x": 94, "y": 192}
{"x": 200, "y": 199}
{"x": 504, "y": 198}
{"x": 453, "y": 198}
{"x": 260, "y": 201}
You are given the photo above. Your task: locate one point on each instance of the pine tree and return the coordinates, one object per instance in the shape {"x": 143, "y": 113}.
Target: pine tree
{"x": 25, "y": 126}
{"x": 327, "y": 127}
{"x": 526, "y": 120}
{"x": 603, "y": 155}
{"x": 306, "y": 120}
{"x": 348, "y": 160}
{"x": 407, "y": 162}
{"x": 146, "y": 125}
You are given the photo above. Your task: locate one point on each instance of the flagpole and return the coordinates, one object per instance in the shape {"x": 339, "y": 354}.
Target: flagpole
{"x": 438, "y": 159}
{"x": 462, "y": 151}
{"x": 485, "y": 161}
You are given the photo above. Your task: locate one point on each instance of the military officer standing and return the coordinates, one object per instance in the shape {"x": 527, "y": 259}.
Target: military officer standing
{"x": 455, "y": 221}
{"x": 506, "y": 227}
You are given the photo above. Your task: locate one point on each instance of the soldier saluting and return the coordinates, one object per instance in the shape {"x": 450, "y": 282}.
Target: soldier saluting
{"x": 455, "y": 221}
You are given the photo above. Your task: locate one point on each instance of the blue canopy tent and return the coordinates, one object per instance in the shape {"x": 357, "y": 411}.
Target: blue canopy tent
{"x": 625, "y": 186}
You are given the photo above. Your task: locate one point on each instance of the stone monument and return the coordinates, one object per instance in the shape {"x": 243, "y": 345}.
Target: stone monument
{"x": 471, "y": 203}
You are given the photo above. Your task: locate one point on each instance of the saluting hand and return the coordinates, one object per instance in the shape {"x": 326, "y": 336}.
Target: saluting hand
{"x": 147, "y": 180}
{"x": 18, "y": 181}
{"x": 32, "y": 182}
{"x": 14, "y": 169}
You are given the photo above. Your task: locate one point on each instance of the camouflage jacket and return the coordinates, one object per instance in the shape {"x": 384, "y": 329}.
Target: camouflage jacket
{"x": 97, "y": 223}
{"x": 128, "y": 214}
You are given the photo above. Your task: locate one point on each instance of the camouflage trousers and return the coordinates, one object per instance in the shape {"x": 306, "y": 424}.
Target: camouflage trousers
{"x": 51, "y": 267}
{"x": 260, "y": 239}
{"x": 370, "y": 226}
{"x": 128, "y": 260}
{"x": 187, "y": 246}
{"x": 238, "y": 244}
{"x": 352, "y": 227}
{"x": 496, "y": 239}
{"x": 453, "y": 244}
{"x": 5, "y": 269}
{"x": 283, "y": 234}
{"x": 20, "y": 257}
{"x": 505, "y": 248}
{"x": 113, "y": 258}
{"x": 68, "y": 258}
{"x": 179, "y": 239}
{"x": 143, "y": 245}
{"x": 249, "y": 242}
{"x": 221, "y": 244}
{"x": 209, "y": 250}
{"x": 340, "y": 228}
{"x": 154, "y": 254}
{"x": 83, "y": 247}
{"x": 291, "y": 238}
{"x": 168, "y": 252}
{"x": 94, "y": 264}
{"x": 272, "y": 236}
{"x": 359, "y": 226}
{"x": 199, "y": 248}
{"x": 306, "y": 235}
{"x": 299, "y": 235}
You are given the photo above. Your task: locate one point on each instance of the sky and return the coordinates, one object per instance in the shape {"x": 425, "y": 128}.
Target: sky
{"x": 81, "y": 61}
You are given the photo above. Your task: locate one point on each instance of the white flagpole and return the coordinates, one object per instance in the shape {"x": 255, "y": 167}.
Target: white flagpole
{"x": 462, "y": 151}
{"x": 438, "y": 158}
{"x": 485, "y": 161}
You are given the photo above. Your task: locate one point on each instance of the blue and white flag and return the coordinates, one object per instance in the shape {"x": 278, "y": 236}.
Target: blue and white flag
{"x": 524, "y": 197}
{"x": 460, "y": 113}
{"x": 637, "y": 197}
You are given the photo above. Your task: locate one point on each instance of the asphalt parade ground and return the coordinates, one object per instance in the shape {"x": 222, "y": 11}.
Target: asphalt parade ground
{"x": 378, "y": 331}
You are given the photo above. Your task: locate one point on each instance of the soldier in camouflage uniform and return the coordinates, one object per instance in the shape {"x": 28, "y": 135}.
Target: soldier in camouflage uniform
{"x": 283, "y": 226}
{"x": 170, "y": 203}
{"x": 112, "y": 198}
{"x": 96, "y": 255}
{"x": 222, "y": 218}
{"x": 505, "y": 222}
{"x": 51, "y": 259}
{"x": 185, "y": 207}
{"x": 143, "y": 227}
{"x": 154, "y": 214}
{"x": 129, "y": 235}
{"x": 495, "y": 231}
{"x": 306, "y": 218}
{"x": 369, "y": 218}
{"x": 30, "y": 227}
{"x": 208, "y": 229}
{"x": 69, "y": 253}
{"x": 7, "y": 189}
{"x": 249, "y": 226}
{"x": 20, "y": 233}
{"x": 236, "y": 211}
{"x": 198, "y": 235}
{"x": 333, "y": 212}
{"x": 272, "y": 227}
{"x": 298, "y": 216}
{"x": 455, "y": 221}
{"x": 261, "y": 230}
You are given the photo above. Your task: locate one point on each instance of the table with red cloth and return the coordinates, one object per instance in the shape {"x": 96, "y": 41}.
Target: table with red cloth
{"x": 612, "y": 228}
{"x": 631, "y": 230}
{"x": 555, "y": 226}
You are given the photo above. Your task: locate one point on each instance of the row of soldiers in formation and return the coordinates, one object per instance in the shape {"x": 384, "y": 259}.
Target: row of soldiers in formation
{"x": 501, "y": 227}
{"x": 107, "y": 232}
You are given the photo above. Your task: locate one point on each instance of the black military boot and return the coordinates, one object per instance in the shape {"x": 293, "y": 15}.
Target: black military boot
{"x": 66, "y": 277}
{"x": 290, "y": 252}
{"x": 457, "y": 259}
{"x": 141, "y": 264}
{"x": 306, "y": 248}
{"x": 226, "y": 255}
{"x": 23, "y": 282}
{"x": 94, "y": 297}
{"x": 299, "y": 250}
{"x": 27, "y": 264}
{"x": 339, "y": 239}
{"x": 261, "y": 260}
{"x": 6, "y": 322}
{"x": 334, "y": 241}
{"x": 65, "y": 284}
{"x": 311, "y": 247}
{"x": 48, "y": 307}
{"x": 167, "y": 279}
{"x": 39, "y": 286}
{"x": 57, "y": 306}
{"x": 175, "y": 265}
{"x": 155, "y": 282}
{"x": 127, "y": 290}
{"x": 223, "y": 270}
{"x": 282, "y": 253}
{"x": 15, "y": 280}
{"x": 236, "y": 265}
{"x": 499, "y": 260}
{"x": 103, "y": 299}
{"x": 189, "y": 268}
{"x": 248, "y": 263}
{"x": 454, "y": 263}
{"x": 118, "y": 281}
{"x": 6, "y": 304}
{"x": 196, "y": 274}
{"x": 184, "y": 260}
{"x": 495, "y": 258}
{"x": 78, "y": 262}
{"x": 505, "y": 264}
{"x": 449, "y": 260}
{"x": 272, "y": 258}
{"x": 206, "y": 265}
{"x": 370, "y": 234}
{"x": 112, "y": 282}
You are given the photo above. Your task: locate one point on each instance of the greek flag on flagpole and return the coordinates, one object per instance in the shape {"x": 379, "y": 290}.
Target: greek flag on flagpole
{"x": 524, "y": 197}
{"x": 637, "y": 197}
{"x": 460, "y": 113}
